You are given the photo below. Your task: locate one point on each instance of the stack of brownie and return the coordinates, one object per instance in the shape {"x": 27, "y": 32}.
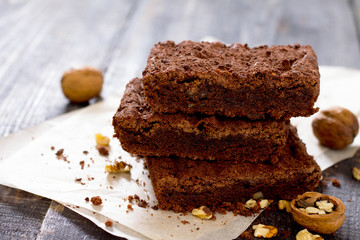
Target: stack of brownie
{"x": 213, "y": 122}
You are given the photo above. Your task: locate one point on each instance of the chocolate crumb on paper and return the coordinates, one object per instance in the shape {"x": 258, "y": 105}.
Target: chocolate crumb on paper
{"x": 108, "y": 223}
{"x": 96, "y": 200}
{"x": 82, "y": 164}
{"x": 103, "y": 150}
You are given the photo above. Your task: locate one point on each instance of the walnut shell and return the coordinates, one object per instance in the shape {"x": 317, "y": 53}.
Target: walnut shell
{"x": 327, "y": 223}
{"x": 81, "y": 85}
{"x": 335, "y": 127}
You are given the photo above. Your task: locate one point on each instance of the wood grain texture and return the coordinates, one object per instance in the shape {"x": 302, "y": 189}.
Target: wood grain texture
{"x": 41, "y": 39}
{"x": 21, "y": 213}
{"x": 62, "y": 223}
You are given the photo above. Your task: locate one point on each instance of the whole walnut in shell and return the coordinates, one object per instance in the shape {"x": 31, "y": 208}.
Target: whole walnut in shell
{"x": 335, "y": 127}
{"x": 81, "y": 85}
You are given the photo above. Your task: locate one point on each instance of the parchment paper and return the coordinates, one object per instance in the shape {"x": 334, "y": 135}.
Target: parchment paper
{"x": 28, "y": 163}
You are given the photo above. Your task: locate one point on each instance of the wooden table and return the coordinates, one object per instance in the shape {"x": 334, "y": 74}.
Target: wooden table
{"x": 41, "y": 39}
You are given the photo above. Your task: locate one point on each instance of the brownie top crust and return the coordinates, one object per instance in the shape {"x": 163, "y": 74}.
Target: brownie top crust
{"x": 233, "y": 66}
{"x": 134, "y": 113}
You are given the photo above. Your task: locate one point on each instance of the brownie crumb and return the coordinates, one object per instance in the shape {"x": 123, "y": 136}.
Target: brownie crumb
{"x": 184, "y": 222}
{"x": 87, "y": 199}
{"x": 335, "y": 182}
{"x": 82, "y": 164}
{"x": 197, "y": 229}
{"x": 130, "y": 207}
{"x": 85, "y": 152}
{"x": 103, "y": 150}
{"x": 155, "y": 207}
{"x": 142, "y": 203}
{"x": 52, "y": 148}
{"x": 96, "y": 200}
{"x": 108, "y": 223}
{"x": 59, "y": 153}
{"x": 79, "y": 180}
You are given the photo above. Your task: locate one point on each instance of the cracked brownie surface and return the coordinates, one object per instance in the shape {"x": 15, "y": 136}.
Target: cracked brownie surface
{"x": 213, "y": 78}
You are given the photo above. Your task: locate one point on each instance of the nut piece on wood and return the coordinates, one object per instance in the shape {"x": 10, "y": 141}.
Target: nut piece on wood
{"x": 356, "y": 173}
{"x": 81, "y": 85}
{"x": 265, "y": 231}
{"x": 306, "y": 235}
{"x": 336, "y": 127}
{"x": 326, "y": 223}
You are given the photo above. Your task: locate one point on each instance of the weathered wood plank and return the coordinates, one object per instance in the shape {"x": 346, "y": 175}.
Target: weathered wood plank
{"x": 62, "y": 223}
{"x": 21, "y": 213}
{"x": 354, "y": 6}
{"x": 40, "y": 40}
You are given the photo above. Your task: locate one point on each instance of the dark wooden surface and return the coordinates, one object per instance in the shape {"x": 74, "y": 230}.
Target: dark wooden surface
{"x": 41, "y": 39}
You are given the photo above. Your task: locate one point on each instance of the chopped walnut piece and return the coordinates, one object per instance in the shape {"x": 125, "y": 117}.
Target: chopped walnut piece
{"x": 306, "y": 235}
{"x": 265, "y": 231}
{"x": 202, "y": 212}
{"x": 102, "y": 140}
{"x": 264, "y": 203}
{"x": 118, "y": 167}
{"x": 250, "y": 203}
{"x": 283, "y": 204}
{"x": 356, "y": 173}
{"x": 325, "y": 205}
{"x": 108, "y": 223}
{"x": 96, "y": 200}
{"x": 314, "y": 210}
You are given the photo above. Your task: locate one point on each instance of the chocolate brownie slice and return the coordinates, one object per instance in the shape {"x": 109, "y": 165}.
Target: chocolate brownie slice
{"x": 183, "y": 184}
{"x": 212, "y": 78}
{"x": 142, "y": 131}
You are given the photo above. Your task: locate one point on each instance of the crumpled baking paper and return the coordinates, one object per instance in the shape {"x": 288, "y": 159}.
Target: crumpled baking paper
{"x": 28, "y": 163}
